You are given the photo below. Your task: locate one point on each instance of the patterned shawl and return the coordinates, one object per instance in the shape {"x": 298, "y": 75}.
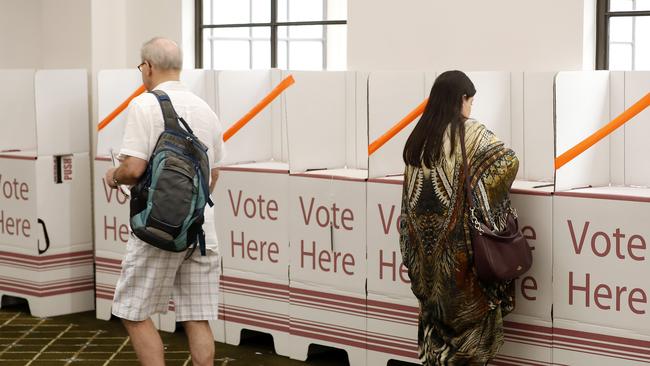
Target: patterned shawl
{"x": 460, "y": 318}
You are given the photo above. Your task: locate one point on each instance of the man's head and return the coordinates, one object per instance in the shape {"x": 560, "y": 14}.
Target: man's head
{"x": 162, "y": 60}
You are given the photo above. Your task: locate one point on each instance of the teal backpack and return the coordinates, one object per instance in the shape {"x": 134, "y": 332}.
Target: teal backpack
{"x": 168, "y": 201}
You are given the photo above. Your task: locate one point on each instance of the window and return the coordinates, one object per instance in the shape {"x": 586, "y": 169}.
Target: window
{"x": 623, "y": 35}
{"x": 260, "y": 34}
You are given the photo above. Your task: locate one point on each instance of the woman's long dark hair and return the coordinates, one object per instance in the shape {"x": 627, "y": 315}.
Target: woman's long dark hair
{"x": 425, "y": 144}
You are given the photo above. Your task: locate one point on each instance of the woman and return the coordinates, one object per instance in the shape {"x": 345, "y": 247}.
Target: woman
{"x": 461, "y": 320}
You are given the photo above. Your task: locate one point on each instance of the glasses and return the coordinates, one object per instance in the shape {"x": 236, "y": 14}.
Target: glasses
{"x": 142, "y": 64}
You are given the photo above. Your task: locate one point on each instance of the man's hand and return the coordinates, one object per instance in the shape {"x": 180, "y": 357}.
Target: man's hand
{"x": 108, "y": 178}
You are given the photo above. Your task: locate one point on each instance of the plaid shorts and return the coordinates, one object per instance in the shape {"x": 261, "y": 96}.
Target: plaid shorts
{"x": 151, "y": 277}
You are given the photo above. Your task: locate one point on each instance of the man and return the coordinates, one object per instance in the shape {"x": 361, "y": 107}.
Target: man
{"x": 151, "y": 276}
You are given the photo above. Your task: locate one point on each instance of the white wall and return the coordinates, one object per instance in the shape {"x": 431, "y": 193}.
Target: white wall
{"x": 65, "y": 38}
{"x": 508, "y": 35}
{"x": 48, "y": 34}
{"x": 20, "y": 33}
{"x": 146, "y": 19}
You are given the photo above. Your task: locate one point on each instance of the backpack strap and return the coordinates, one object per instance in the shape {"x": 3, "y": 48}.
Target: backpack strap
{"x": 170, "y": 116}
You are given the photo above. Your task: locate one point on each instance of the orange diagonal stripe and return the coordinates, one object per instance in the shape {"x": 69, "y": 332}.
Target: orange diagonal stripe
{"x": 375, "y": 145}
{"x": 284, "y": 84}
{"x": 120, "y": 108}
{"x": 603, "y": 132}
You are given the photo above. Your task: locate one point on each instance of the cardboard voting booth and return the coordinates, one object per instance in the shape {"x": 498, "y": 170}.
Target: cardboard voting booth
{"x": 45, "y": 111}
{"x": 327, "y": 207}
{"x": 600, "y": 261}
{"x": 518, "y": 108}
{"x": 45, "y": 231}
{"x": 111, "y": 214}
{"x": 252, "y": 209}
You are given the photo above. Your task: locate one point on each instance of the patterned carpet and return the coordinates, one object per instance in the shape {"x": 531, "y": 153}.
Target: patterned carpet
{"x": 81, "y": 339}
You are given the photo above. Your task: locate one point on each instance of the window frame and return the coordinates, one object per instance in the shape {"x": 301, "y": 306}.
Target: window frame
{"x": 603, "y": 16}
{"x": 273, "y": 25}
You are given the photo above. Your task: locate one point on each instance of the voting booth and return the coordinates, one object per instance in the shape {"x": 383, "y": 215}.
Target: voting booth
{"x": 601, "y": 207}
{"x": 252, "y": 209}
{"x": 327, "y": 207}
{"x": 45, "y": 228}
{"x": 518, "y": 108}
{"x": 111, "y": 206}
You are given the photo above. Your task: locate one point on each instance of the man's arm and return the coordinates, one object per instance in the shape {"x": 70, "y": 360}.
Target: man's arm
{"x": 214, "y": 175}
{"x": 128, "y": 173}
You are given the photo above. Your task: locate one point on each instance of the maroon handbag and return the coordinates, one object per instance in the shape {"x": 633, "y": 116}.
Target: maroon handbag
{"x": 498, "y": 256}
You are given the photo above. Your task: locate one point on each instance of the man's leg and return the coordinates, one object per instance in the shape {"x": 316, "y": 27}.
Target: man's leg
{"x": 146, "y": 342}
{"x": 201, "y": 342}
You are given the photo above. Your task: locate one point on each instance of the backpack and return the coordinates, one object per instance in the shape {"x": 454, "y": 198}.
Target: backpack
{"x": 167, "y": 203}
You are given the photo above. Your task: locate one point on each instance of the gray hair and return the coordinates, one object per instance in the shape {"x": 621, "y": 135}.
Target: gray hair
{"x": 162, "y": 53}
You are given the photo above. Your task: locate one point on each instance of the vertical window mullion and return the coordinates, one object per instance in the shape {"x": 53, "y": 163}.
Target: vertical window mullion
{"x": 274, "y": 33}
{"x": 250, "y": 35}
{"x": 602, "y": 37}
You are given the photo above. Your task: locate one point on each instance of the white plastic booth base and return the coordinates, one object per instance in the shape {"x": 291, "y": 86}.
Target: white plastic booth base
{"x": 580, "y": 344}
{"x": 255, "y": 304}
{"x": 45, "y": 239}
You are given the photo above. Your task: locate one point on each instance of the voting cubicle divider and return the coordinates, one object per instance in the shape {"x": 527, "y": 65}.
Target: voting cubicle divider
{"x": 46, "y": 252}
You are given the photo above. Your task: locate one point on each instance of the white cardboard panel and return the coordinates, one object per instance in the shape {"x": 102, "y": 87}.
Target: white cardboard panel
{"x": 491, "y": 105}
{"x": 393, "y": 337}
{"x": 33, "y": 202}
{"x": 238, "y": 92}
{"x": 539, "y": 132}
{"x": 637, "y": 130}
{"x": 327, "y": 231}
{"x": 359, "y": 159}
{"x": 581, "y": 108}
{"x": 279, "y": 122}
{"x": 316, "y": 111}
{"x": 391, "y": 96}
{"x": 581, "y": 344}
{"x": 62, "y": 117}
{"x": 617, "y": 145}
{"x": 534, "y": 290}
{"x": 18, "y": 202}
{"x": 327, "y": 316}
{"x": 202, "y": 83}
{"x": 601, "y": 258}
{"x": 113, "y": 87}
{"x": 18, "y": 121}
{"x": 387, "y": 276}
{"x": 111, "y": 210}
{"x": 527, "y": 341}
{"x": 256, "y": 302}
{"x": 65, "y": 207}
{"x": 517, "y": 128}
{"x": 253, "y": 220}
{"x": 54, "y": 283}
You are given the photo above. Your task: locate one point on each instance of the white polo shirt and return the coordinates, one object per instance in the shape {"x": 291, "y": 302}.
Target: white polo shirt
{"x": 144, "y": 124}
